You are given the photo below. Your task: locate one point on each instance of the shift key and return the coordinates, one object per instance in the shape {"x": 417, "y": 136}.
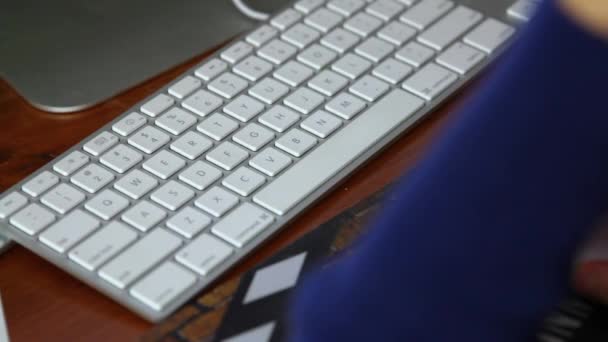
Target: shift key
{"x": 138, "y": 259}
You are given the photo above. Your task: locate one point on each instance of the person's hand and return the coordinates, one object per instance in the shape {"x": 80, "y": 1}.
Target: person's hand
{"x": 591, "y": 14}
{"x": 591, "y": 271}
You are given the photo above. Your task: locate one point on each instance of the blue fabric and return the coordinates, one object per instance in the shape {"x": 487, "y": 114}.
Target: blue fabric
{"x": 479, "y": 244}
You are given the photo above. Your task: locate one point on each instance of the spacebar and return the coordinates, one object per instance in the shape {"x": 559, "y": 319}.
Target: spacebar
{"x": 336, "y": 153}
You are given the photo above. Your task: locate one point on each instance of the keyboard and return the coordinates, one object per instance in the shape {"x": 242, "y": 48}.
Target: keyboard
{"x": 160, "y": 202}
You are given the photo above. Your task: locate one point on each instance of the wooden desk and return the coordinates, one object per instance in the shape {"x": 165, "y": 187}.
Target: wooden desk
{"x": 42, "y": 302}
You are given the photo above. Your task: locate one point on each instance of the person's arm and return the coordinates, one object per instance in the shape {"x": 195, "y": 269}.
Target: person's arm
{"x": 478, "y": 244}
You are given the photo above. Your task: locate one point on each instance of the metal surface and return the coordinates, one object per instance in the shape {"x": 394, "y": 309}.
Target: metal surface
{"x": 67, "y": 55}
{"x": 495, "y": 9}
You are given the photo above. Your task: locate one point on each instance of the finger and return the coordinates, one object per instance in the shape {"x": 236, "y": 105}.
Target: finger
{"x": 591, "y": 279}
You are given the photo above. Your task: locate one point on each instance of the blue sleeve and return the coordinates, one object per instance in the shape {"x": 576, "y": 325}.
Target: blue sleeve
{"x": 479, "y": 243}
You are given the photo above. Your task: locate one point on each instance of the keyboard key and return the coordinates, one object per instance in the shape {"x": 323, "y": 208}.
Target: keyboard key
{"x": 304, "y": 100}
{"x": 202, "y": 102}
{"x": 218, "y": 126}
{"x": 176, "y": 121}
{"x": 346, "y": 7}
{"x": 157, "y": 105}
{"x": 121, "y": 158}
{"x": 216, "y": 201}
{"x": 163, "y": 285}
{"x": 244, "y": 108}
{"x": 305, "y": 177}
{"x": 328, "y": 83}
{"x": 321, "y": 124}
{"x": 489, "y": 35}
{"x": 523, "y": 9}
{"x": 63, "y": 235}
{"x": 269, "y": 90}
{"x": 129, "y": 124}
{"x": 270, "y": 161}
{"x": 200, "y": 175}
{"x": 374, "y": 49}
{"x": 425, "y": 12}
{"x": 211, "y": 69}
{"x": 188, "y": 222}
{"x": 415, "y": 54}
{"x": 227, "y": 155}
{"x": 137, "y": 259}
{"x": 102, "y": 245}
{"x": 300, "y": 35}
{"x": 172, "y": 195}
{"x": 243, "y": 224}
{"x": 40, "y": 183}
{"x": 450, "y": 27}
{"x": 363, "y": 24}
{"x": 352, "y": 65}
{"x": 253, "y": 68}
{"x": 317, "y": 56}
{"x": 293, "y": 73}
{"x": 277, "y": 51}
{"x": 70, "y": 163}
{"x": 296, "y": 142}
{"x": 244, "y": 181}
{"x": 149, "y": 139}
{"x": 236, "y": 52}
{"x": 307, "y": 6}
{"x": 262, "y": 35}
{"x": 369, "y": 88}
{"x": 11, "y": 203}
{"x": 204, "y": 253}
{"x": 286, "y": 19}
{"x": 32, "y": 219}
{"x": 164, "y": 164}
{"x": 279, "y": 118}
{"x": 107, "y": 204}
{"x": 323, "y": 19}
{"x": 340, "y": 40}
{"x": 397, "y": 33}
{"x": 185, "y": 86}
{"x": 101, "y": 143}
{"x": 345, "y": 105}
{"x": 144, "y": 215}
{"x": 385, "y": 9}
{"x": 62, "y": 198}
{"x": 228, "y": 85}
{"x": 136, "y": 184}
{"x": 253, "y": 136}
{"x": 392, "y": 71}
{"x": 430, "y": 82}
{"x": 460, "y": 58}
{"x": 92, "y": 178}
{"x": 191, "y": 145}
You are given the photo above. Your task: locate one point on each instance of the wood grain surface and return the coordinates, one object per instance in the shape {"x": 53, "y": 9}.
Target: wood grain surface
{"x": 44, "y": 303}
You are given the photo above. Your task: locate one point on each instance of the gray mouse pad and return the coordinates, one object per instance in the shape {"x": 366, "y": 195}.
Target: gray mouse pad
{"x": 67, "y": 55}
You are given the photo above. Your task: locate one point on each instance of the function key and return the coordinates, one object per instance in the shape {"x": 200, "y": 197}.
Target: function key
{"x": 308, "y": 6}
{"x": 101, "y": 143}
{"x": 286, "y": 19}
{"x": 129, "y": 124}
{"x": 236, "y": 52}
{"x": 157, "y": 105}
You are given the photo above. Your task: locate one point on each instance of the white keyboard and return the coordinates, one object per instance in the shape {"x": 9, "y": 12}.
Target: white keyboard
{"x": 159, "y": 203}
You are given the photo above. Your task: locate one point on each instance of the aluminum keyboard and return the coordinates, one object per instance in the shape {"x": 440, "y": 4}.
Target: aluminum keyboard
{"x": 156, "y": 205}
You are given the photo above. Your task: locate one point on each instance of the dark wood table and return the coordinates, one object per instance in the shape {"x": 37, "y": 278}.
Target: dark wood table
{"x": 42, "y": 302}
